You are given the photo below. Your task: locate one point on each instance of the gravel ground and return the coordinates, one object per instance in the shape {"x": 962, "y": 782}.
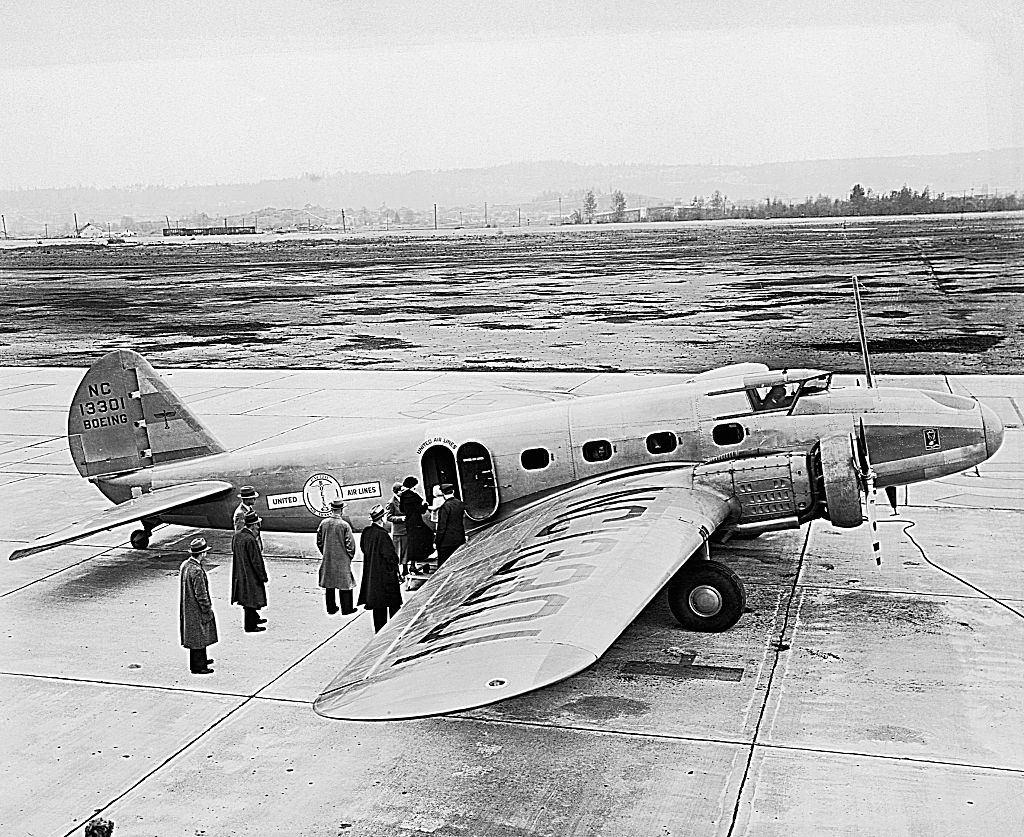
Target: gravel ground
{"x": 942, "y": 294}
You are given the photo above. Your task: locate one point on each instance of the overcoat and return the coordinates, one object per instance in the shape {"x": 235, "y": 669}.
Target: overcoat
{"x": 248, "y": 572}
{"x": 238, "y": 519}
{"x": 394, "y": 516}
{"x": 451, "y": 524}
{"x": 380, "y": 585}
{"x": 197, "y": 622}
{"x": 338, "y": 547}
{"x": 420, "y": 540}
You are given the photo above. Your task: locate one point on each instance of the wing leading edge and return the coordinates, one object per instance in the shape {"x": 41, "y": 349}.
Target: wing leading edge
{"x": 537, "y": 598}
{"x": 155, "y": 502}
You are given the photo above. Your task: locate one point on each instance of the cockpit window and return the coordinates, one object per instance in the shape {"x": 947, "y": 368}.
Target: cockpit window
{"x": 776, "y": 397}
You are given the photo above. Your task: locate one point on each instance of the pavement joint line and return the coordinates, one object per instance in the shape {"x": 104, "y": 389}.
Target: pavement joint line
{"x": 162, "y": 764}
{"x": 827, "y": 751}
{"x": 753, "y": 745}
{"x": 910, "y": 525}
{"x": 151, "y": 686}
{"x": 922, "y": 593}
{"x": 27, "y": 584}
{"x": 300, "y": 393}
{"x": 306, "y": 656}
{"x": 311, "y": 421}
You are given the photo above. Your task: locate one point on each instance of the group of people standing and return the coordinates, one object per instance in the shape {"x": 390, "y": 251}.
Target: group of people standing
{"x": 248, "y": 584}
{"x": 415, "y": 538}
{"x": 386, "y": 561}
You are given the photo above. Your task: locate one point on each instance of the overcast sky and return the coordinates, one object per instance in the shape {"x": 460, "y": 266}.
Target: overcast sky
{"x": 116, "y": 93}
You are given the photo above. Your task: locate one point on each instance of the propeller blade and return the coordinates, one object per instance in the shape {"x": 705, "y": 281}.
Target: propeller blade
{"x": 890, "y": 493}
{"x": 876, "y": 543}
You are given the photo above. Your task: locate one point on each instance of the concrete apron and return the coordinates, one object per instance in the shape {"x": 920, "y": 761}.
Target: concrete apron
{"x": 852, "y": 698}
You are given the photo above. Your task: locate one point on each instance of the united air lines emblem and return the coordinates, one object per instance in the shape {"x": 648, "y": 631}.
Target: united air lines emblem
{"x": 931, "y": 439}
{"x": 318, "y": 492}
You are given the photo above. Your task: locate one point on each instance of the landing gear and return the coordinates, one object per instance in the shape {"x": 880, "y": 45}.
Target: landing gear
{"x": 140, "y": 537}
{"x": 706, "y": 596}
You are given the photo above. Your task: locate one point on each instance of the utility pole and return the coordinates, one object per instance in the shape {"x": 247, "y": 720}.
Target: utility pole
{"x": 435, "y": 216}
{"x": 559, "y": 210}
{"x": 485, "y": 215}
{"x": 343, "y": 220}
{"x": 168, "y": 220}
{"x": 520, "y": 216}
{"x": 2, "y": 218}
{"x": 46, "y": 230}
{"x": 76, "y": 224}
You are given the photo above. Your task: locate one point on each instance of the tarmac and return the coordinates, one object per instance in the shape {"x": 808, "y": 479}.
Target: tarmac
{"x": 852, "y": 699}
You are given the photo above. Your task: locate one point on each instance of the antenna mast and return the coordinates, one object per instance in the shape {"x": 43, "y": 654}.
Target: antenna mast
{"x": 863, "y": 333}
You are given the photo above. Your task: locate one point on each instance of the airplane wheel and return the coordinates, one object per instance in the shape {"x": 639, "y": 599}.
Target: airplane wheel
{"x": 140, "y": 538}
{"x": 706, "y": 596}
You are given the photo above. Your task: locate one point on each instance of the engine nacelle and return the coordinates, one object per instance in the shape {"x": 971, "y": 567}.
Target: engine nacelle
{"x": 783, "y": 490}
{"x": 771, "y": 491}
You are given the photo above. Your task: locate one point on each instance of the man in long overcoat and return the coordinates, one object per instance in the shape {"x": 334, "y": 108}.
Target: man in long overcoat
{"x": 419, "y": 538}
{"x": 337, "y": 545}
{"x": 196, "y": 620}
{"x": 247, "y": 496}
{"x": 380, "y": 590}
{"x": 451, "y": 524}
{"x": 249, "y": 573}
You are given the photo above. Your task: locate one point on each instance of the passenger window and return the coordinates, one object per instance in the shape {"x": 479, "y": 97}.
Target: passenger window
{"x": 597, "y": 451}
{"x": 728, "y": 434}
{"x": 661, "y": 442}
{"x": 535, "y": 458}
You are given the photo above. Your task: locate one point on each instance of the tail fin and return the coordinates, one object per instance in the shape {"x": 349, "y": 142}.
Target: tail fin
{"x": 124, "y": 417}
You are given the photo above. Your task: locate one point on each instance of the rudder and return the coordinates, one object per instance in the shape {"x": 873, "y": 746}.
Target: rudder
{"x": 123, "y": 417}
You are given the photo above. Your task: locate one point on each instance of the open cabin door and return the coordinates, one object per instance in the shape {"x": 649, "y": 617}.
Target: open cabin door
{"x": 438, "y": 465}
{"x": 476, "y": 476}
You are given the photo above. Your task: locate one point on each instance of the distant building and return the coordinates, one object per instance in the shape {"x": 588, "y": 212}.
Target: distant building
{"x": 638, "y": 214}
{"x": 225, "y": 230}
{"x": 90, "y": 230}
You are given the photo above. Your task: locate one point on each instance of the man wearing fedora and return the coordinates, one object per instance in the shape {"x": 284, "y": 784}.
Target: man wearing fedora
{"x": 197, "y": 622}
{"x": 395, "y": 517}
{"x": 247, "y": 494}
{"x": 380, "y": 590}
{"x": 451, "y": 524}
{"x": 249, "y": 573}
{"x": 338, "y": 547}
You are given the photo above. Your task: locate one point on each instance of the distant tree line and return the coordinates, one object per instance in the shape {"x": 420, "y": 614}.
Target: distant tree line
{"x": 861, "y": 201}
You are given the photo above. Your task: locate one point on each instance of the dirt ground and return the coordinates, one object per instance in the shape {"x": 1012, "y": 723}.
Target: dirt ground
{"x": 942, "y": 294}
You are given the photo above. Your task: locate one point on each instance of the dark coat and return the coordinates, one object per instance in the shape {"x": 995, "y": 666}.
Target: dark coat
{"x": 248, "y": 572}
{"x": 419, "y": 538}
{"x": 380, "y": 585}
{"x": 338, "y": 547}
{"x": 451, "y": 524}
{"x": 197, "y": 622}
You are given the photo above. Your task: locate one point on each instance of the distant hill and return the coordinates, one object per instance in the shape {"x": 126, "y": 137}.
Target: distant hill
{"x": 534, "y": 184}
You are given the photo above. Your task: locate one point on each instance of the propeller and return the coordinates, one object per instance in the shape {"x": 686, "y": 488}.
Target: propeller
{"x": 867, "y": 481}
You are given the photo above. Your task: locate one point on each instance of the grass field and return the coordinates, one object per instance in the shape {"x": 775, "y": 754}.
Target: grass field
{"x": 942, "y": 294}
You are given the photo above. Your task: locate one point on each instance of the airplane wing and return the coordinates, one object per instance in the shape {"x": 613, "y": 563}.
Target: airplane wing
{"x": 535, "y": 599}
{"x": 161, "y": 500}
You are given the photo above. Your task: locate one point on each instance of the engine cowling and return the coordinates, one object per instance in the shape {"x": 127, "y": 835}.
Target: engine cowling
{"x": 770, "y": 491}
{"x": 841, "y": 478}
{"x": 783, "y": 490}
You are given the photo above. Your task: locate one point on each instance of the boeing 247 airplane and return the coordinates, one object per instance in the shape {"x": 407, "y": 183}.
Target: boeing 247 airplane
{"x": 584, "y": 510}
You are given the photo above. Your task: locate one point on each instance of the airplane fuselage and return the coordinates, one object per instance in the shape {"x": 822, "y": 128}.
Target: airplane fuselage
{"x": 503, "y": 460}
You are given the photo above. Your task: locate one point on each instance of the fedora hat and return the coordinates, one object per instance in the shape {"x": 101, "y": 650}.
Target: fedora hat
{"x": 247, "y": 492}
{"x": 377, "y": 512}
{"x": 198, "y": 546}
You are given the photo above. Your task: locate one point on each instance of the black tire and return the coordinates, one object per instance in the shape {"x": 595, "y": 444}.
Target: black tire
{"x": 706, "y": 596}
{"x": 140, "y": 538}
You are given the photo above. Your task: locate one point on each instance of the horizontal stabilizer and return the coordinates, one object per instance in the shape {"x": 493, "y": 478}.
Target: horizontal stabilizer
{"x": 161, "y": 500}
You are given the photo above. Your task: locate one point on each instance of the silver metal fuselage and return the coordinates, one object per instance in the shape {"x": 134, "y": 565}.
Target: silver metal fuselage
{"x": 911, "y": 435}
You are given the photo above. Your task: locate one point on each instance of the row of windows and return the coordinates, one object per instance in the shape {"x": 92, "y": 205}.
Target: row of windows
{"x": 598, "y": 450}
